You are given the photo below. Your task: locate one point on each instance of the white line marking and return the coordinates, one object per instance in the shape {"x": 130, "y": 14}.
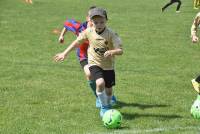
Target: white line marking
{"x": 139, "y": 131}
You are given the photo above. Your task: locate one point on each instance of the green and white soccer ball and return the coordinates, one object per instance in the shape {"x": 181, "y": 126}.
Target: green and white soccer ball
{"x": 195, "y": 109}
{"x": 112, "y": 119}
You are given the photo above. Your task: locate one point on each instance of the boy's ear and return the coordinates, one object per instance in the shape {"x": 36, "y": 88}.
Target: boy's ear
{"x": 88, "y": 18}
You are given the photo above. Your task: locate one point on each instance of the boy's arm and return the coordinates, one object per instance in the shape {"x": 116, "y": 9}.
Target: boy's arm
{"x": 63, "y": 55}
{"x": 81, "y": 38}
{"x": 116, "y": 51}
{"x": 194, "y": 29}
{"x": 61, "y": 37}
{"x": 117, "y": 43}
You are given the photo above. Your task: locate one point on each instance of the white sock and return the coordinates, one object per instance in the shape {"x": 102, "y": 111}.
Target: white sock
{"x": 109, "y": 99}
{"x": 102, "y": 98}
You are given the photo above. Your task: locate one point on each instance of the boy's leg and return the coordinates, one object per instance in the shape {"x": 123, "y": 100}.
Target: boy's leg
{"x": 109, "y": 76}
{"x": 103, "y": 97}
{"x": 198, "y": 79}
{"x": 109, "y": 95}
{"x": 168, "y": 4}
{"x": 195, "y": 4}
{"x": 178, "y": 6}
{"x": 91, "y": 82}
{"x": 196, "y": 84}
{"x": 97, "y": 74}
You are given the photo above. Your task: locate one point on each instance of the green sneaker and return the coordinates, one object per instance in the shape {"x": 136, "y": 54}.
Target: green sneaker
{"x": 195, "y": 109}
{"x": 198, "y": 97}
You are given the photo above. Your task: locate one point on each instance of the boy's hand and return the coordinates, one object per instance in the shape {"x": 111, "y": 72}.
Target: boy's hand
{"x": 108, "y": 54}
{"x": 61, "y": 39}
{"x": 195, "y": 39}
{"x": 59, "y": 57}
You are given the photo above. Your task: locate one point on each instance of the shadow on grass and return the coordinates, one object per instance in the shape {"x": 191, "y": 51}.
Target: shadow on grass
{"x": 129, "y": 116}
{"x": 121, "y": 104}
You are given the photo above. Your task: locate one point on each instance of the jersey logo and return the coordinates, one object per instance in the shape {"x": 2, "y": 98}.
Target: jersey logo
{"x": 106, "y": 42}
{"x": 100, "y": 51}
{"x": 99, "y": 39}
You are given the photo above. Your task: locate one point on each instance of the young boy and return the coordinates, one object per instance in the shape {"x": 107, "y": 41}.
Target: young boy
{"x": 104, "y": 45}
{"x": 172, "y": 2}
{"x": 76, "y": 28}
{"x": 195, "y": 39}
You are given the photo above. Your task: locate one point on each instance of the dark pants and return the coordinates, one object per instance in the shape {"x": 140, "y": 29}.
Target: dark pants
{"x": 198, "y": 79}
{"x": 171, "y": 2}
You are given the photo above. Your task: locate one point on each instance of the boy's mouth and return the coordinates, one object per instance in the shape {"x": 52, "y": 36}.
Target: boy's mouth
{"x": 99, "y": 29}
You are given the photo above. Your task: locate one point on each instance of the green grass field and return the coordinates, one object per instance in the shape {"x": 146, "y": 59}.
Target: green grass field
{"x": 39, "y": 96}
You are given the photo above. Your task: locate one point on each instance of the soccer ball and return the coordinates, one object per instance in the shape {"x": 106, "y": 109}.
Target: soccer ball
{"x": 112, "y": 119}
{"x": 195, "y": 109}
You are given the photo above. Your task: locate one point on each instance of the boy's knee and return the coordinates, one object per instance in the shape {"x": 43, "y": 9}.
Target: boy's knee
{"x": 88, "y": 76}
{"x": 100, "y": 83}
{"x": 87, "y": 72}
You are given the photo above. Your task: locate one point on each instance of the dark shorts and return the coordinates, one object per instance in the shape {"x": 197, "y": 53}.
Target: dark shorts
{"x": 83, "y": 62}
{"x": 107, "y": 75}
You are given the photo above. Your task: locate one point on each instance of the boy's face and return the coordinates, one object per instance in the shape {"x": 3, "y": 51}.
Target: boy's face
{"x": 99, "y": 23}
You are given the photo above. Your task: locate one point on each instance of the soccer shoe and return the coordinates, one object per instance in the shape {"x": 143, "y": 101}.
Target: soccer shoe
{"x": 195, "y": 85}
{"x": 113, "y": 100}
{"x": 178, "y": 11}
{"x": 195, "y": 109}
{"x": 198, "y": 97}
{"x": 195, "y": 8}
{"x": 162, "y": 10}
{"x": 98, "y": 104}
{"x": 104, "y": 109}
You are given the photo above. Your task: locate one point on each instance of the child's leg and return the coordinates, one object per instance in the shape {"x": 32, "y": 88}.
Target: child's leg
{"x": 109, "y": 94}
{"x": 101, "y": 93}
{"x": 91, "y": 82}
{"x": 97, "y": 74}
{"x": 195, "y": 3}
{"x": 179, "y": 5}
{"x": 196, "y": 84}
{"x": 197, "y": 79}
{"x": 109, "y": 77}
{"x": 168, "y": 4}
